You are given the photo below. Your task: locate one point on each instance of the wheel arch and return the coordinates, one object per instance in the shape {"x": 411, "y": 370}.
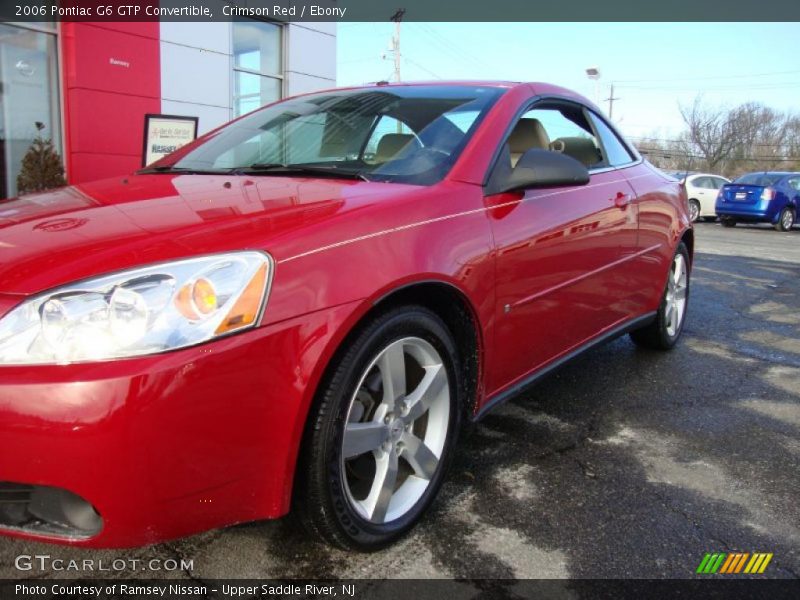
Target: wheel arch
{"x": 688, "y": 239}
{"x": 444, "y": 298}
{"x": 453, "y": 306}
{"x": 448, "y": 301}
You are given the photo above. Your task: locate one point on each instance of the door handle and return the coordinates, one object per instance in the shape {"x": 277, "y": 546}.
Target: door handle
{"x": 622, "y": 200}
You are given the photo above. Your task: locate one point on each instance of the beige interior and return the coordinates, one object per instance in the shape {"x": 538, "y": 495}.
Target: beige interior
{"x": 390, "y": 144}
{"x": 581, "y": 149}
{"x": 527, "y": 134}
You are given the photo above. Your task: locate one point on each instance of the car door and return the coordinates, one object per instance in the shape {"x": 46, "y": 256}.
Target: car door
{"x": 556, "y": 248}
{"x": 792, "y": 188}
{"x": 705, "y": 190}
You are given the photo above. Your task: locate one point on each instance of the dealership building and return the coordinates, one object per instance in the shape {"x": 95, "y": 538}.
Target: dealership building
{"x": 91, "y": 84}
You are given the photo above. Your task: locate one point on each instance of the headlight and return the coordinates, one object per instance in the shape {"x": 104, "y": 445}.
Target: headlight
{"x": 140, "y": 311}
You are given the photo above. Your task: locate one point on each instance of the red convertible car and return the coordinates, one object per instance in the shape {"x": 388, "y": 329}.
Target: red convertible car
{"x": 300, "y": 309}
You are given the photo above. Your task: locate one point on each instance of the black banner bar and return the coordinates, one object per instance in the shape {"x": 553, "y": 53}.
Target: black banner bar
{"x": 408, "y": 10}
{"x": 416, "y": 589}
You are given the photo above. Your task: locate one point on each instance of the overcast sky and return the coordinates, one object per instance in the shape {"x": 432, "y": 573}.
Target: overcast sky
{"x": 654, "y": 66}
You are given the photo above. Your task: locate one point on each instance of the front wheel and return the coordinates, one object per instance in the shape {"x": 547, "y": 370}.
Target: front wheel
{"x": 785, "y": 220}
{"x": 382, "y": 432}
{"x": 664, "y": 331}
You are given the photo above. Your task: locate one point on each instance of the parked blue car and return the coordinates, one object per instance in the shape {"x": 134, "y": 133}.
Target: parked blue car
{"x": 764, "y": 197}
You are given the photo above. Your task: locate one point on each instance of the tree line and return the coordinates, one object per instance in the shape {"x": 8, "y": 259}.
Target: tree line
{"x": 728, "y": 141}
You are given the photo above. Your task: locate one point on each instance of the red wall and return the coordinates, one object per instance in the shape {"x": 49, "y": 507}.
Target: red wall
{"x": 105, "y": 103}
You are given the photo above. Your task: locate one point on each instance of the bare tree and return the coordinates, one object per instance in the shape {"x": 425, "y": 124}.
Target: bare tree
{"x": 748, "y": 137}
{"x": 668, "y": 155}
{"x": 712, "y": 131}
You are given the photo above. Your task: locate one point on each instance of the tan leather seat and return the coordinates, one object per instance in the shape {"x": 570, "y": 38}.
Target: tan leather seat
{"x": 391, "y": 144}
{"x": 581, "y": 149}
{"x": 527, "y": 134}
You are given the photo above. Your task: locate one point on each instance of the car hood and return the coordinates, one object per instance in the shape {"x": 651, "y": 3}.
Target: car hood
{"x": 56, "y": 237}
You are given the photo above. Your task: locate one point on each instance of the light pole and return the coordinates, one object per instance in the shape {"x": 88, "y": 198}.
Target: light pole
{"x": 593, "y": 73}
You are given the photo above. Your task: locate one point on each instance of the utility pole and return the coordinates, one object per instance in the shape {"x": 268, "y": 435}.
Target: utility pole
{"x": 610, "y": 101}
{"x": 395, "y": 49}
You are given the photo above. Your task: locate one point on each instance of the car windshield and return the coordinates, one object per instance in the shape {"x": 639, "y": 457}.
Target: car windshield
{"x": 405, "y": 134}
{"x": 762, "y": 179}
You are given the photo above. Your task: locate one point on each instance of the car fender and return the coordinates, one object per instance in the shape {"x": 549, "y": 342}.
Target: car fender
{"x": 359, "y": 312}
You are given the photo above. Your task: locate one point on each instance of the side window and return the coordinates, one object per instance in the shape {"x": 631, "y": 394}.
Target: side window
{"x": 718, "y": 182}
{"x": 703, "y": 182}
{"x": 555, "y": 128}
{"x": 794, "y": 183}
{"x": 615, "y": 151}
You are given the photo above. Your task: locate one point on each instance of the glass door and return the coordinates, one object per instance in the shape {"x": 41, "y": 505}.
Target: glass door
{"x": 28, "y": 95}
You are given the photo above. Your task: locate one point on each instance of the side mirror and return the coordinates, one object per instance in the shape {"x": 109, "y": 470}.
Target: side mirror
{"x": 544, "y": 168}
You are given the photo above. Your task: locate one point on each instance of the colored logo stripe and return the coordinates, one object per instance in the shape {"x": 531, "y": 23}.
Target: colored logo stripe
{"x": 758, "y": 563}
{"x": 726, "y": 567}
{"x": 734, "y": 563}
{"x": 724, "y": 563}
{"x": 711, "y": 562}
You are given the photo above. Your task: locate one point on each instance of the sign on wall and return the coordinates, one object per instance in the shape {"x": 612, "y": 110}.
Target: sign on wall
{"x": 163, "y": 134}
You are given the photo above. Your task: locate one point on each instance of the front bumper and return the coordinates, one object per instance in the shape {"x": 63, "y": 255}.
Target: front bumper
{"x": 168, "y": 445}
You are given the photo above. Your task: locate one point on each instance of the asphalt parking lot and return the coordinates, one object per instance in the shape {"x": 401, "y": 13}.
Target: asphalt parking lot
{"x": 625, "y": 463}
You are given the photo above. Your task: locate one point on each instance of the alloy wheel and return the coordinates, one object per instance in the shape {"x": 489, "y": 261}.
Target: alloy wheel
{"x": 677, "y": 286}
{"x": 396, "y": 429}
{"x": 787, "y": 220}
{"x": 694, "y": 210}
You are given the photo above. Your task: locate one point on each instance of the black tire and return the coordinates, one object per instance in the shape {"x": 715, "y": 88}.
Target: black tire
{"x": 727, "y": 221}
{"x": 694, "y": 209}
{"x": 656, "y": 335}
{"x": 321, "y": 499}
{"x": 785, "y": 220}
{"x": 710, "y": 219}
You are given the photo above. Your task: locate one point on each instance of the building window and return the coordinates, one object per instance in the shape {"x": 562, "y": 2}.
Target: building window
{"x": 28, "y": 94}
{"x": 257, "y": 65}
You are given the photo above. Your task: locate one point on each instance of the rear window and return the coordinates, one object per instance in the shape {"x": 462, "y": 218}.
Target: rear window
{"x": 762, "y": 179}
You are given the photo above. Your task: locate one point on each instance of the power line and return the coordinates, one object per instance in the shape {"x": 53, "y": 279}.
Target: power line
{"x": 456, "y": 50}
{"x": 736, "y": 88}
{"x": 646, "y": 138}
{"x": 430, "y": 40}
{"x": 428, "y": 71}
{"x": 705, "y": 78}
{"x": 668, "y": 154}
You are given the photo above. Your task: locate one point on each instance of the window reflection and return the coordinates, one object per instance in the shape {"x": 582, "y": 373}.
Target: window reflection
{"x": 257, "y": 54}
{"x": 28, "y": 93}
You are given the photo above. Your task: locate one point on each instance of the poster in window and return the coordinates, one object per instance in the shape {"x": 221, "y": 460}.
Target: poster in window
{"x": 163, "y": 134}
